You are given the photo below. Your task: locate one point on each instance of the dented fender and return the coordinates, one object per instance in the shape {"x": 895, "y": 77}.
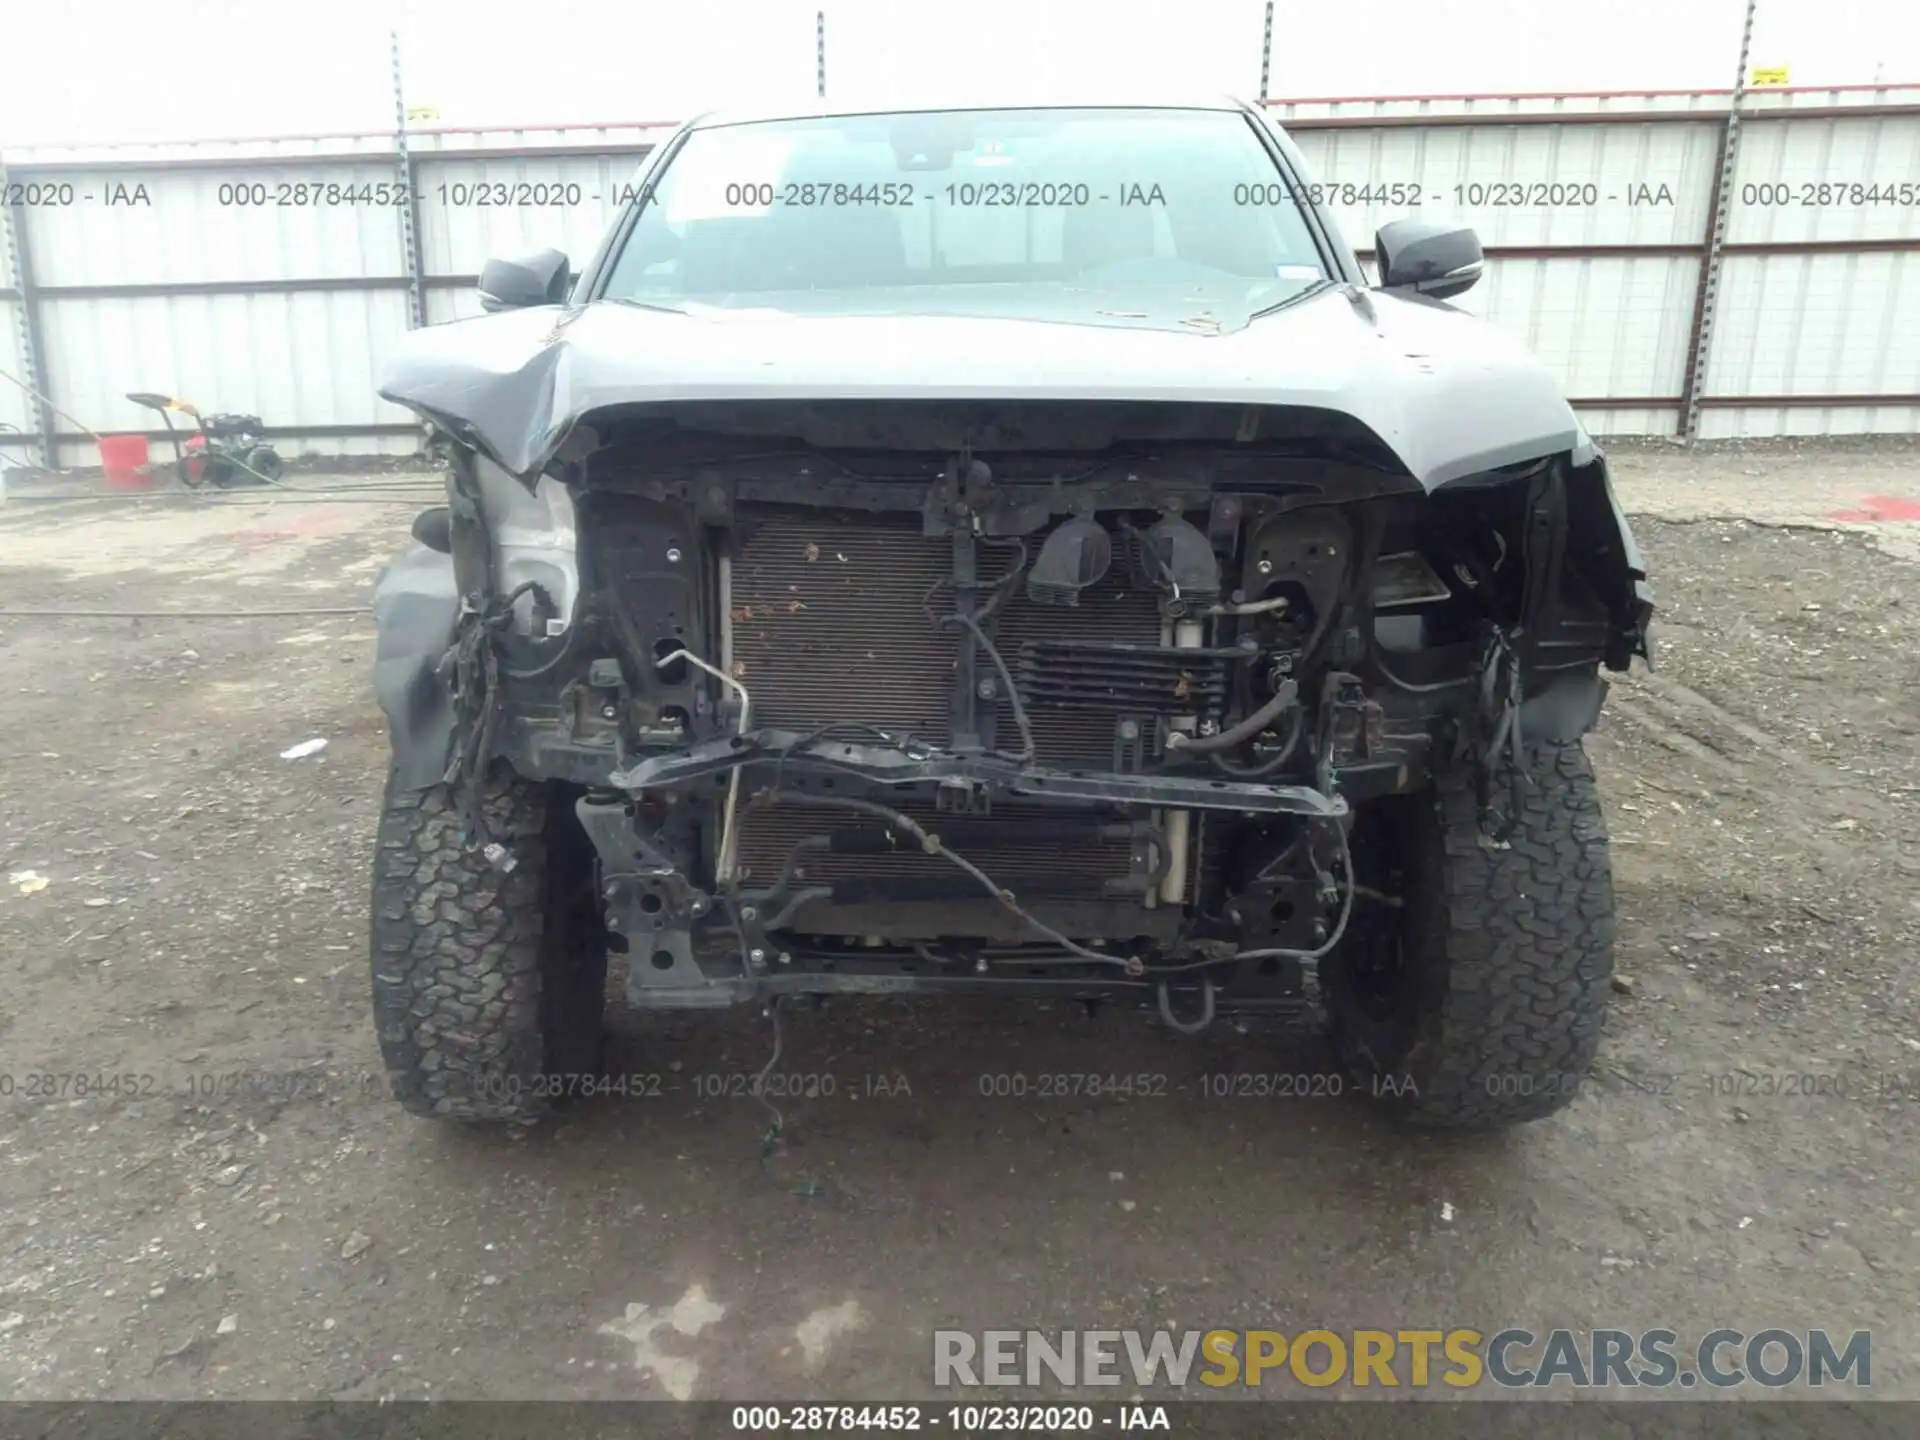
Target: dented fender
{"x": 1598, "y": 529}
{"x": 416, "y": 608}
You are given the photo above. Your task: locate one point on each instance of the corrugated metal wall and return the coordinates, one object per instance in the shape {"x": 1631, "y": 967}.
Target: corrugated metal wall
{"x": 274, "y": 276}
{"x": 1563, "y": 274}
{"x": 17, "y": 414}
{"x": 16, "y": 410}
{"x": 236, "y": 305}
{"x": 1839, "y": 314}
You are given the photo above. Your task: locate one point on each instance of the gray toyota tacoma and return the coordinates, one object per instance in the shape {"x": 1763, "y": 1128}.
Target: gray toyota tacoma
{"x": 1007, "y": 551}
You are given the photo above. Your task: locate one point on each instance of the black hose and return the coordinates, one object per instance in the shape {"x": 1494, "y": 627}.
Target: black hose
{"x": 1233, "y": 735}
{"x": 1002, "y": 591}
{"x": 1188, "y": 1027}
{"x": 1273, "y": 763}
{"x": 1004, "y": 587}
{"x": 1020, "y": 720}
{"x": 786, "y": 875}
{"x": 1411, "y": 687}
{"x": 799, "y": 898}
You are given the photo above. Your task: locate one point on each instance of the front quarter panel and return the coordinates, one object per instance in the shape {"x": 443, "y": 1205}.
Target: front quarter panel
{"x": 416, "y": 608}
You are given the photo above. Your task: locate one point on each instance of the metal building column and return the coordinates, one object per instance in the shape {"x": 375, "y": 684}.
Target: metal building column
{"x": 17, "y": 243}
{"x": 1266, "y": 52}
{"x": 410, "y": 210}
{"x": 1707, "y": 292}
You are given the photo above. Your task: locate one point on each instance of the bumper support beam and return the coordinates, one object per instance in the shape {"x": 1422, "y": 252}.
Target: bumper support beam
{"x": 805, "y": 758}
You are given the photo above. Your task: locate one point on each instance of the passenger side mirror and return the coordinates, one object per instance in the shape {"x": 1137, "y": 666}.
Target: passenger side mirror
{"x": 434, "y": 529}
{"x": 1428, "y": 257}
{"x": 541, "y": 278}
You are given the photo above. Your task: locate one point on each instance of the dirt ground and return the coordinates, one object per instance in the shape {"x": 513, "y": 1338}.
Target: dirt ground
{"x": 234, "y": 1208}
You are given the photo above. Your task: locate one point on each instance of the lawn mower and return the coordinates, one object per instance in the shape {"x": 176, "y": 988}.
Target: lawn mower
{"x": 225, "y": 450}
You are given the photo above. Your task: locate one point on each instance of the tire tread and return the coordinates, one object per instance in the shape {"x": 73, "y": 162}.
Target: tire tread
{"x": 1516, "y": 1003}
{"x": 458, "y": 951}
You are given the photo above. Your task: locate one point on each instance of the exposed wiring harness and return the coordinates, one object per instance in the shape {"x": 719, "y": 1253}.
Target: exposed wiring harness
{"x": 770, "y": 1140}
{"x": 1160, "y": 973}
{"x": 1327, "y": 946}
{"x": 1504, "y": 746}
{"x": 472, "y": 665}
{"x": 1000, "y": 592}
{"x": 777, "y": 892}
{"x": 1319, "y": 952}
{"x": 776, "y": 1122}
{"x": 905, "y": 741}
{"x": 1076, "y": 952}
{"x": 931, "y": 843}
{"x": 1021, "y": 722}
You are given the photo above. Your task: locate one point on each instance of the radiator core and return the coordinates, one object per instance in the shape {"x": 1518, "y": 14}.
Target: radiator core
{"x": 829, "y": 624}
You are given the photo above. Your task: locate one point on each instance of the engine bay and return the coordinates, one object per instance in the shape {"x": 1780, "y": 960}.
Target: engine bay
{"x": 842, "y": 715}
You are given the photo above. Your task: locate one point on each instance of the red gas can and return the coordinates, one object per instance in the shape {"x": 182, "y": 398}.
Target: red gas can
{"x": 126, "y": 461}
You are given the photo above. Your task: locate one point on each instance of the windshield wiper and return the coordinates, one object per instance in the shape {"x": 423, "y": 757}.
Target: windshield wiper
{"x": 642, "y": 304}
{"x": 1294, "y": 299}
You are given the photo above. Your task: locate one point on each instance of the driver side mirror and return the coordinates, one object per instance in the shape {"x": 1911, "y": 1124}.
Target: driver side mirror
{"x": 1428, "y": 257}
{"x": 541, "y": 278}
{"x": 434, "y": 529}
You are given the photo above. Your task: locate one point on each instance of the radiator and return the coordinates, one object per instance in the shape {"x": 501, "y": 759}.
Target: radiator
{"x": 829, "y": 624}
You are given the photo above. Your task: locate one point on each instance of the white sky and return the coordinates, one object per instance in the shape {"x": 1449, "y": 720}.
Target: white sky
{"x": 115, "y": 70}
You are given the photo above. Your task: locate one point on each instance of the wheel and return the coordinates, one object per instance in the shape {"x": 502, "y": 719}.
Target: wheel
{"x": 487, "y": 984}
{"x": 265, "y": 463}
{"x": 1472, "y": 986}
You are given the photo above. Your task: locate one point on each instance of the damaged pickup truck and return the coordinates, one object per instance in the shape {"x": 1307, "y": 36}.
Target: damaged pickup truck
{"x": 1008, "y": 551}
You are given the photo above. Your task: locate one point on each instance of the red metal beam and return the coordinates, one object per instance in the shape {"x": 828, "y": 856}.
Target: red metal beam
{"x": 1878, "y": 88}
{"x": 1878, "y": 245}
{"x": 1804, "y": 402}
{"x": 1581, "y": 252}
{"x": 1741, "y": 402}
{"x": 1451, "y": 99}
{"x": 1462, "y": 119}
{"x": 1459, "y": 120}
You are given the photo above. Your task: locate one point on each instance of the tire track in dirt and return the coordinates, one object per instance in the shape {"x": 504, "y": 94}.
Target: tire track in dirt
{"x": 1753, "y": 762}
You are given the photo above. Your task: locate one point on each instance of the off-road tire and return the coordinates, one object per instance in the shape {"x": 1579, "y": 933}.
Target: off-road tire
{"x": 1505, "y": 955}
{"x": 489, "y": 986}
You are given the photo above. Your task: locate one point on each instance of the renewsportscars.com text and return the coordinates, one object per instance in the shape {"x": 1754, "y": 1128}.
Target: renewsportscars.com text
{"x": 1460, "y": 1358}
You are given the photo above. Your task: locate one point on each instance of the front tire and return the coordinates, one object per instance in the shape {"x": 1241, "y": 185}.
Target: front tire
{"x": 1478, "y": 1001}
{"x": 489, "y": 986}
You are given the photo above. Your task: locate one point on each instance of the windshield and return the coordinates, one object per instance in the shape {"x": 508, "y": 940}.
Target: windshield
{"x": 1145, "y": 217}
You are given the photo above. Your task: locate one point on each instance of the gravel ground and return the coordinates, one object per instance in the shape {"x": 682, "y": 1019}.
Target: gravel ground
{"x": 234, "y": 1208}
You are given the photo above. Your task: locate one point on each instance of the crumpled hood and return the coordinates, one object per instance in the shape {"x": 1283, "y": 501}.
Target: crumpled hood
{"x": 1448, "y": 393}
